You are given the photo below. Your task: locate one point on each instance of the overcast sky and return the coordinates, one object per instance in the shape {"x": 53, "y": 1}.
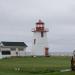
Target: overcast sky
{"x": 18, "y": 17}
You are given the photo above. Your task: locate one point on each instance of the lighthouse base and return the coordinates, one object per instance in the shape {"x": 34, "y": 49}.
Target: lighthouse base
{"x": 43, "y": 52}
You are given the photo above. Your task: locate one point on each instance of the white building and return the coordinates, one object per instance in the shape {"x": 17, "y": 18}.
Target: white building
{"x": 8, "y": 49}
{"x": 40, "y": 42}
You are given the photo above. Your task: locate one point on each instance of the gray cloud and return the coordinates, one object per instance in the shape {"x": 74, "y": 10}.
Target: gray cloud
{"x": 18, "y": 17}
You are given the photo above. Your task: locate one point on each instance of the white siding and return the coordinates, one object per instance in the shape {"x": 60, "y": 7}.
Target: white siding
{"x": 13, "y": 52}
{"x": 38, "y": 49}
{"x": 0, "y": 55}
{"x": 5, "y": 49}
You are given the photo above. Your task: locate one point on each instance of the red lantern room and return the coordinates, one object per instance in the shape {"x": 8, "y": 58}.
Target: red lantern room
{"x": 40, "y": 27}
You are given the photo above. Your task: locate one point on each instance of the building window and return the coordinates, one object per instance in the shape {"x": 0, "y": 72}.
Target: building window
{"x": 20, "y": 48}
{"x": 34, "y": 41}
{"x": 42, "y": 34}
{"x": 13, "y": 48}
{"x": 6, "y": 52}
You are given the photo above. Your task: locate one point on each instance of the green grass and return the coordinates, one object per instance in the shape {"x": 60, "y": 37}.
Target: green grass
{"x": 35, "y": 66}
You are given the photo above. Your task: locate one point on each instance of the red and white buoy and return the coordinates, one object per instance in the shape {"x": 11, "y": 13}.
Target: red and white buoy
{"x": 40, "y": 41}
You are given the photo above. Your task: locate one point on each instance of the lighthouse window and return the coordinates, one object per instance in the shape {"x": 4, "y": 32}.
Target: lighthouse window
{"x": 42, "y": 34}
{"x": 34, "y": 41}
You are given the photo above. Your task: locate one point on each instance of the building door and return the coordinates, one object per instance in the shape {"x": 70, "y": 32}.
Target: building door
{"x": 46, "y": 52}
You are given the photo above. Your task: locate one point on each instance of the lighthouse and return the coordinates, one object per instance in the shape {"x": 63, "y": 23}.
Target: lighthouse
{"x": 40, "y": 41}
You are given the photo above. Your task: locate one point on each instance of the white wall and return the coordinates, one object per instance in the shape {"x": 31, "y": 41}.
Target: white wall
{"x": 0, "y": 55}
{"x": 13, "y": 52}
{"x": 41, "y": 43}
{"x": 20, "y": 52}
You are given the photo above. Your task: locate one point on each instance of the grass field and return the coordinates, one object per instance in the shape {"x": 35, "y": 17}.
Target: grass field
{"x": 35, "y": 66}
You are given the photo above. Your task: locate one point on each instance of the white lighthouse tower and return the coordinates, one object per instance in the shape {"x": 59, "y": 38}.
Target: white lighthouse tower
{"x": 40, "y": 42}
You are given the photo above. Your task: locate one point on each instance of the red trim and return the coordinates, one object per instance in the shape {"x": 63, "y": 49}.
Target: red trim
{"x": 40, "y": 27}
